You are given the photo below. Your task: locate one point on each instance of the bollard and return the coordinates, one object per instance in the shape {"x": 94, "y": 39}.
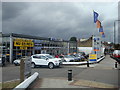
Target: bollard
{"x": 87, "y": 63}
{"x": 69, "y": 75}
{"x": 115, "y": 64}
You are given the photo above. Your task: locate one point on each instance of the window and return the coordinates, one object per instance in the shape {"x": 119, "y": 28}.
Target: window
{"x": 38, "y": 57}
{"x": 42, "y": 57}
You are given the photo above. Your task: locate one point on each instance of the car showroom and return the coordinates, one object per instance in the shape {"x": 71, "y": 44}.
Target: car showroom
{"x": 14, "y": 46}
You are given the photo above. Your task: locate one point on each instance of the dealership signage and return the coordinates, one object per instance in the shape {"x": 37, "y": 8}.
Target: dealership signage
{"x": 38, "y": 44}
{"x": 23, "y": 43}
{"x": 97, "y": 46}
{"x": 92, "y": 57}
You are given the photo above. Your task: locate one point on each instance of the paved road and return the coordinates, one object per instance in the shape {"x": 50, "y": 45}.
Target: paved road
{"x": 58, "y": 72}
{"x": 102, "y": 72}
{"x": 12, "y": 72}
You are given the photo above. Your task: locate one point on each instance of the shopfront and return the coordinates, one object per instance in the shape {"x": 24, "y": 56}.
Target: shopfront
{"x": 22, "y": 47}
{"x": 15, "y": 46}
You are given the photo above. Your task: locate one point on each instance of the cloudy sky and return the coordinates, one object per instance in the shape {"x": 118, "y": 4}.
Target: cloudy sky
{"x": 58, "y": 19}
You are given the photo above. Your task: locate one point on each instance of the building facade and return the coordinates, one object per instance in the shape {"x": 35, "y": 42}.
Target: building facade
{"x": 14, "y": 46}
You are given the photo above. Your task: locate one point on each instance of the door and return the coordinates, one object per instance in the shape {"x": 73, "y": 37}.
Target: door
{"x": 44, "y": 60}
{"x": 36, "y": 59}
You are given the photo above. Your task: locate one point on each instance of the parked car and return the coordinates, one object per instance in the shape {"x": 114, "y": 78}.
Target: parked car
{"x": 76, "y": 57}
{"x": 45, "y": 60}
{"x": 17, "y": 61}
{"x": 116, "y": 54}
{"x": 83, "y": 55}
{"x": 67, "y": 58}
{"x": 2, "y": 61}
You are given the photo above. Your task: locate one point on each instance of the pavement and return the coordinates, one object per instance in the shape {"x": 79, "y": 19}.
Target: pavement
{"x": 58, "y": 83}
{"x": 100, "y": 75}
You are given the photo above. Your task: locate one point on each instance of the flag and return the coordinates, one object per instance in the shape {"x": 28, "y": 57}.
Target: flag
{"x": 96, "y": 49}
{"x": 98, "y": 24}
{"x": 95, "y": 16}
{"x": 103, "y": 35}
{"x": 101, "y": 29}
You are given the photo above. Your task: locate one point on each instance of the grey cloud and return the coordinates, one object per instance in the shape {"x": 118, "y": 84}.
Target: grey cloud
{"x": 0, "y": 17}
{"x": 11, "y": 10}
{"x": 60, "y": 20}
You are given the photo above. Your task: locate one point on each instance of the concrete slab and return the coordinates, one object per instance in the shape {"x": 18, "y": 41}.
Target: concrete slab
{"x": 58, "y": 83}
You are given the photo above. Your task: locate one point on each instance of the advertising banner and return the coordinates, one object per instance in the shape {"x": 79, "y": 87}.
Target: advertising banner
{"x": 23, "y": 43}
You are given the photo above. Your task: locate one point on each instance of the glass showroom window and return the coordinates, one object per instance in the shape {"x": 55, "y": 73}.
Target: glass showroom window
{"x": 6, "y": 47}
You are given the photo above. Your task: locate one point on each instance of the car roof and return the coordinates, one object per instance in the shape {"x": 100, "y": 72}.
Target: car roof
{"x": 116, "y": 51}
{"x": 40, "y": 54}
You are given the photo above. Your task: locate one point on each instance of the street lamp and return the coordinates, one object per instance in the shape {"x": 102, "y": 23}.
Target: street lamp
{"x": 114, "y": 31}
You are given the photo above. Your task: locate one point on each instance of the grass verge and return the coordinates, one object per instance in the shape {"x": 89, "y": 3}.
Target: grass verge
{"x": 11, "y": 84}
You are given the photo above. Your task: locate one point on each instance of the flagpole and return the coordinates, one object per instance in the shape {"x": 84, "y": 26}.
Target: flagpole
{"x": 100, "y": 29}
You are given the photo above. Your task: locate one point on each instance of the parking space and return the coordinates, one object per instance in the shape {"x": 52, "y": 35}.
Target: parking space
{"x": 11, "y": 72}
{"x": 57, "y": 72}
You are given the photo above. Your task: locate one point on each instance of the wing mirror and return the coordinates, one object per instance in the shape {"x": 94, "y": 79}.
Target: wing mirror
{"x": 46, "y": 58}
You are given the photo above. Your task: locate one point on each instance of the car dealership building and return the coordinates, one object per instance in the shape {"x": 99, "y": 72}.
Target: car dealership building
{"x": 14, "y": 46}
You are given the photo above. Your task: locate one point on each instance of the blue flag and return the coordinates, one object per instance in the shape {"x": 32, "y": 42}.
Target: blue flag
{"x": 101, "y": 29}
{"x": 95, "y": 17}
{"x": 103, "y": 35}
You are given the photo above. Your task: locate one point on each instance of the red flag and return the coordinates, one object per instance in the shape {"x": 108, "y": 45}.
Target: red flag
{"x": 98, "y": 24}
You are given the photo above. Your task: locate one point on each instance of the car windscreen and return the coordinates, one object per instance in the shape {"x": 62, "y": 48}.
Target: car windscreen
{"x": 49, "y": 56}
{"x": 68, "y": 56}
{"x": 76, "y": 55}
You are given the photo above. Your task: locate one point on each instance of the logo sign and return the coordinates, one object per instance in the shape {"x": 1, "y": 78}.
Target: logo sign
{"x": 92, "y": 57}
{"x": 23, "y": 43}
{"x": 23, "y": 48}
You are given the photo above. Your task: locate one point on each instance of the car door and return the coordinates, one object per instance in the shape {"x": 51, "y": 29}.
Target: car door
{"x": 44, "y": 60}
{"x": 36, "y": 59}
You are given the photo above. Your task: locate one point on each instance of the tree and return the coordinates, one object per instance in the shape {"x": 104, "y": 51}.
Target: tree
{"x": 73, "y": 39}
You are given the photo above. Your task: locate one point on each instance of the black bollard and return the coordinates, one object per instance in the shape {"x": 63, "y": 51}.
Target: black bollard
{"x": 69, "y": 75}
{"x": 87, "y": 63}
{"x": 115, "y": 64}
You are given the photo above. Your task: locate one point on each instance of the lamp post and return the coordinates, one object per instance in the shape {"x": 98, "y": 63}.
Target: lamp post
{"x": 114, "y": 31}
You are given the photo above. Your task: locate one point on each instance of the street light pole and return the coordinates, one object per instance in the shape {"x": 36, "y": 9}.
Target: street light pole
{"x": 114, "y": 32}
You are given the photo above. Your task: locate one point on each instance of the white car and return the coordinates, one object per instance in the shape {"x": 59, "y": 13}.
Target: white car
{"x": 16, "y": 62}
{"x": 116, "y": 54}
{"x": 68, "y": 58}
{"x": 0, "y": 61}
{"x": 45, "y": 60}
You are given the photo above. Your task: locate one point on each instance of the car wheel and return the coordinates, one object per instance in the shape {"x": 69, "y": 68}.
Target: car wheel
{"x": 33, "y": 65}
{"x": 15, "y": 64}
{"x": 51, "y": 65}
